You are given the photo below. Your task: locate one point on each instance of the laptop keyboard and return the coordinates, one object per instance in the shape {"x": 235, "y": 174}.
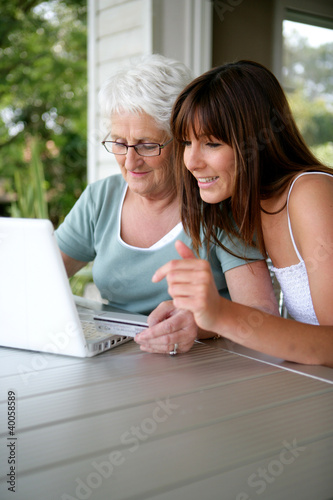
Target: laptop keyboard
{"x": 90, "y": 331}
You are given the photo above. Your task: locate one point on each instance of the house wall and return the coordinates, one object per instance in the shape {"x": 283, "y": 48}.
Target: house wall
{"x": 243, "y": 30}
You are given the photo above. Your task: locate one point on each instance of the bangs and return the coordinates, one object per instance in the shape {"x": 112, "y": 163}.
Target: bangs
{"x": 201, "y": 116}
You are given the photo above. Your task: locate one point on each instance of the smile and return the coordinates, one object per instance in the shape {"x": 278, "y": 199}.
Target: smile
{"x": 207, "y": 179}
{"x": 132, "y": 173}
{"x": 206, "y": 182}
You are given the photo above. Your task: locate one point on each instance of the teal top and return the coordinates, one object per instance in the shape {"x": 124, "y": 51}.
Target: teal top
{"x": 121, "y": 272}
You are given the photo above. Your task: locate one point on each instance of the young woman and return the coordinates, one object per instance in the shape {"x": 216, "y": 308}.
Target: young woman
{"x": 244, "y": 167}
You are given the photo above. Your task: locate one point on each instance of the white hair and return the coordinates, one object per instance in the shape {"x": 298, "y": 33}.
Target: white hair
{"x": 151, "y": 85}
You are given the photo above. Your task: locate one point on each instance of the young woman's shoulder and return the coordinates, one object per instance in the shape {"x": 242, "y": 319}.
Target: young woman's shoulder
{"x": 311, "y": 188}
{"x": 311, "y": 205}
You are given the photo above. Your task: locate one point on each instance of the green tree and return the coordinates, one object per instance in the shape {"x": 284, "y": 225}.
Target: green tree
{"x": 314, "y": 118}
{"x": 307, "y": 79}
{"x": 307, "y": 67}
{"x": 43, "y": 94}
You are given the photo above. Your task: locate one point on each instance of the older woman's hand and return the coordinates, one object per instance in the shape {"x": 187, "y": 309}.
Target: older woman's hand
{"x": 168, "y": 326}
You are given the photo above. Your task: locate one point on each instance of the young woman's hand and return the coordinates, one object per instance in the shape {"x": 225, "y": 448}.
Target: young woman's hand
{"x": 192, "y": 286}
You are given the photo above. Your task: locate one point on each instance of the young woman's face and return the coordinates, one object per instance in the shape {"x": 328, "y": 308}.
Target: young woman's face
{"x": 212, "y": 162}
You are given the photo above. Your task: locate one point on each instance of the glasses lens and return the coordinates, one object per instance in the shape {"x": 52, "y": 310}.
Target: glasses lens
{"x": 148, "y": 149}
{"x": 116, "y": 148}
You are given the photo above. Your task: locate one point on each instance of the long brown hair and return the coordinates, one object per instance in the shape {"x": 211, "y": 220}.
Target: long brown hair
{"x": 243, "y": 105}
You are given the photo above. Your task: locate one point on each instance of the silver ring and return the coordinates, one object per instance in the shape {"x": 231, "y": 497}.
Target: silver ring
{"x": 172, "y": 353}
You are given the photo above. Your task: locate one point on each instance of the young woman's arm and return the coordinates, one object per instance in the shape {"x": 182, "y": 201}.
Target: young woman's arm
{"x": 251, "y": 285}
{"x": 248, "y": 284}
{"x": 192, "y": 287}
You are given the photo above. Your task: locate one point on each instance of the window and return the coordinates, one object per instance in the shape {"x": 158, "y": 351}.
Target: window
{"x": 307, "y": 68}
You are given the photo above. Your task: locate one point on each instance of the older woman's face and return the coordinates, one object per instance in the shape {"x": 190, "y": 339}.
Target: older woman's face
{"x": 147, "y": 176}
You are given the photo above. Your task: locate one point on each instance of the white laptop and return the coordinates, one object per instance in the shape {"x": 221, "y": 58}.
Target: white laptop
{"x": 37, "y": 307}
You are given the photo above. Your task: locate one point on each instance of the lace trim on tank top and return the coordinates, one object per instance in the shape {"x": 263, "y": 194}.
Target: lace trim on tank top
{"x": 294, "y": 281}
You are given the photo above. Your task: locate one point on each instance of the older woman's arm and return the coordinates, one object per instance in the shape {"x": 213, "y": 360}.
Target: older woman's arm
{"x": 72, "y": 266}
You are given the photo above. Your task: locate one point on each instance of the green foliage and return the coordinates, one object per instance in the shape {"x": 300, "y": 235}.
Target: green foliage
{"x": 324, "y": 152}
{"x": 308, "y": 81}
{"x": 30, "y": 188}
{"x": 79, "y": 281}
{"x": 309, "y": 68}
{"x": 43, "y": 93}
{"x": 314, "y": 118}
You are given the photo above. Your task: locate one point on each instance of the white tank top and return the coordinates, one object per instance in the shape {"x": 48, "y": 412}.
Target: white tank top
{"x": 294, "y": 280}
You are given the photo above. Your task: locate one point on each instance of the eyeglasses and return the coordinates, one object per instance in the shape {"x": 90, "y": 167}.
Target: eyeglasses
{"x": 142, "y": 149}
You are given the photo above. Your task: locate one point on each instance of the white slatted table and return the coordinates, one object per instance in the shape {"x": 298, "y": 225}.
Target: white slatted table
{"x": 207, "y": 425}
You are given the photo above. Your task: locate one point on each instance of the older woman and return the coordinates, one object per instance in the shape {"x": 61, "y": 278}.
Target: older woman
{"x": 128, "y": 223}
